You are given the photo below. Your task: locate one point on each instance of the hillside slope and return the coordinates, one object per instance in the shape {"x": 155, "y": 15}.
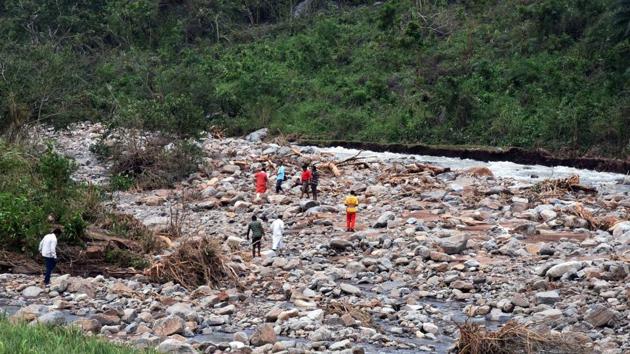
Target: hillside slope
{"x": 547, "y": 73}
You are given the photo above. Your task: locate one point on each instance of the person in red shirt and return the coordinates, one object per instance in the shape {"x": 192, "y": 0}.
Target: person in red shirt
{"x": 306, "y": 181}
{"x": 261, "y": 182}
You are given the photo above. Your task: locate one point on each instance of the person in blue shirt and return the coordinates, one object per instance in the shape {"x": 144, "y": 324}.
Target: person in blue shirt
{"x": 280, "y": 178}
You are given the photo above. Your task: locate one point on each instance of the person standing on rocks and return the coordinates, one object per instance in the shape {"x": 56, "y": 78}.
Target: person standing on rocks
{"x": 277, "y": 229}
{"x": 280, "y": 178}
{"x": 305, "y": 178}
{"x": 48, "y": 249}
{"x": 351, "y": 202}
{"x": 314, "y": 181}
{"x": 256, "y": 228}
{"x": 261, "y": 182}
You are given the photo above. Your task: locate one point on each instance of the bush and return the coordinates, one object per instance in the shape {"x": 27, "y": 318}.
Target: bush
{"x": 36, "y": 193}
{"x": 154, "y": 162}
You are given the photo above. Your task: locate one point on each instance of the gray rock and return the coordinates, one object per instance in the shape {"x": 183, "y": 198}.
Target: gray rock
{"x": 600, "y": 316}
{"x": 257, "y": 136}
{"x": 264, "y": 334}
{"x": 175, "y": 347}
{"x": 56, "y": 318}
{"x": 547, "y": 297}
{"x": 32, "y": 291}
{"x": 350, "y": 289}
{"x": 182, "y": 310}
{"x": 340, "y": 244}
{"x": 321, "y": 334}
{"x": 559, "y": 270}
{"x": 308, "y": 204}
{"x": 169, "y": 325}
{"x": 454, "y": 244}
{"x": 382, "y": 220}
{"x": 548, "y": 315}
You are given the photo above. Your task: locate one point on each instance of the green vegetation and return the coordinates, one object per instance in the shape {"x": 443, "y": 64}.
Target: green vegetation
{"x": 36, "y": 192}
{"x": 546, "y": 73}
{"x": 22, "y": 338}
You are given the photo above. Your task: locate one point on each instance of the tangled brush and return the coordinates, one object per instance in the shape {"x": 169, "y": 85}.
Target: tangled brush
{"x": 196, "y": 262}
{"x": 514, "y": 338}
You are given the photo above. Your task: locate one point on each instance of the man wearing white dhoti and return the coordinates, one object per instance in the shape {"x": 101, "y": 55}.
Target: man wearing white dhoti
{"x": 277, "y": 229}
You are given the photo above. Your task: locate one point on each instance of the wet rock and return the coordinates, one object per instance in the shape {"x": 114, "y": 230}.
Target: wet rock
{"x": 264, "y": 334}
{"x": 169, "y": 325}
{"x": 32, "y": 291}
{"x": 453, "y": 244}
{"x": 174, "y": 346}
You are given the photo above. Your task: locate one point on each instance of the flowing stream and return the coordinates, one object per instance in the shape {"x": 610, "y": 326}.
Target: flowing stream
{"x": 527, "y": 174}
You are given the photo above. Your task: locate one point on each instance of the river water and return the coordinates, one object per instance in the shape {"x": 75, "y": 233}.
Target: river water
{"x": 605, "y": 182}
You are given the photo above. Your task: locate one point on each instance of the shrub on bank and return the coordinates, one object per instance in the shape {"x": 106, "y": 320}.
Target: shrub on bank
{"x": 36, "y": 193}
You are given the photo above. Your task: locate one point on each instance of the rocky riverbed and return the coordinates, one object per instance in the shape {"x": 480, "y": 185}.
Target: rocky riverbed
{"x": 433, "y": 248}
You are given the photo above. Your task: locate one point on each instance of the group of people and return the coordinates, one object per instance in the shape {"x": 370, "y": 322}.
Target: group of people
{"x": 308, "y": 179}
{"x": 257, "y": 231}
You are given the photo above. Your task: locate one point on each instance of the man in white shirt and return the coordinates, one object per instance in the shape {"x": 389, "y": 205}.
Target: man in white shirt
{"x": 277, "y": 229}
{"x": 48, "y": 249}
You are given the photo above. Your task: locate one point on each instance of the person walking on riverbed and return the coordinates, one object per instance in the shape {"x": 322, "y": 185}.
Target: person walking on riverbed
{"x": 48, "y": 249}
{"x": 256, "y": 228}
{"x": 277, "y": 230}
{"x": 280, "y": 177}
{"x": 351, "y": 202}
{"x": 306, "y": 181}
{"x": 261, "y": 182}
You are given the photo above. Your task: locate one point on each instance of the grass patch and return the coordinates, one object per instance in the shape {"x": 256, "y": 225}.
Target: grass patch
{"x": 22, "y": 338}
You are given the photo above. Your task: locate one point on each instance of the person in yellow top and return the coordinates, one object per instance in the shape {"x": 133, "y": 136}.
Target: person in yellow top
{"x": 352, "y": 202}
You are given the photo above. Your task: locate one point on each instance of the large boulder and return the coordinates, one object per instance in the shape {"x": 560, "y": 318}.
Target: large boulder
{"x": 30, "y": 312}
{"x": 559, "y": 270}
{"x": 32, "y": 291}
{"x": 176, "y": 347}
{"x": 264, "y": 334}
{"x": 349, "y": 289}
{"x": 454, "y": 244}
{"x": 257, "y": 136}
{"x": 54, "y": 318}
{"x": 382, "y": 220}
{"x": 182, "y": 310}
{"x": 339, "y": 244}
{"x": 620, "y": 228}
{"x": 169, "y": 325}
{"x": 600, "y": 316}
{"x": 308, "y": 204}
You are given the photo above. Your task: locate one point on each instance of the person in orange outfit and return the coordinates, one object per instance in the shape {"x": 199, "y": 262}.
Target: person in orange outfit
{"x": 261, "y": 182}
{"x": 352, "y": 202}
